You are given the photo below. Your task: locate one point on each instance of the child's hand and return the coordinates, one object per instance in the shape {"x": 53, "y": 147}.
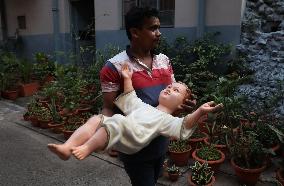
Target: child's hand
{"x": 211, "y": 107}
{"x": 126, "y": 72}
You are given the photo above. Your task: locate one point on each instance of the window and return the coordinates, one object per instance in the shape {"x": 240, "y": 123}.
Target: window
{"x": 165, "y": 7}
{"x": 21, "y": 22}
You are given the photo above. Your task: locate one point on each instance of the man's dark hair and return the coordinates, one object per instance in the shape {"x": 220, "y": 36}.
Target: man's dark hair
{"x": 135, "y": 17}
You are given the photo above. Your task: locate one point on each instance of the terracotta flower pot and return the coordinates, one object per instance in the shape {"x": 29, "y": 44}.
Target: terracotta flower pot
{"x": 57, "y": 128}
{"x": 194, "y": 142}
{"x": 190, "y": 182}
{"x": 214, "y": 164}
{"x": 173, "y": 176}
{"x": 43, "y": 124}
{"x": 28, "y": 89}
{"x": 180, "y": 158}
{"x": 220, "y": 147}
{"x": 67, "y": 133}
{"x": 247, "y": 176}
{"x": 10, "y": 94}
{"x": 34, "y": 121}
{"x": 26, "y": 116}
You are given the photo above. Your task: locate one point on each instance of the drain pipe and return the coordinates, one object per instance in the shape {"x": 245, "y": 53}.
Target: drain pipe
{"x": 56, "y": 28}
{"x": 200, "y": 18}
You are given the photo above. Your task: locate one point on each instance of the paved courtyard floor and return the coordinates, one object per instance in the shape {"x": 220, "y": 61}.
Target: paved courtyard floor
{"x": 25, "y": 160}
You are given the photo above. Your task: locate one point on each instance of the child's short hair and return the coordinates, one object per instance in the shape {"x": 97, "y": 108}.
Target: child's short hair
{"x": 188, "y": 91}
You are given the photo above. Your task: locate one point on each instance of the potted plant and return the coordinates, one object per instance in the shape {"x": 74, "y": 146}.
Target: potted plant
{"x": 266, "y": 135}
{"x": 179, "y": 152}
{"x": 27, "y": 86}
{"x": 209, "y": 154}
{"x": 247, "y": 156}
{"x": 280, "y": 134}
{"x": 9, "y": 86}
{"x": 57, "y": 123}
{"x": 173, "y": 172}
{"x": 197, "y": 139}
{"x": 44, "y": 68}
{"x": 217, "y": 133}
{"x": 44, "y": 117}
{"x": 201, "y": 174}
{"x": 68, "y": 130}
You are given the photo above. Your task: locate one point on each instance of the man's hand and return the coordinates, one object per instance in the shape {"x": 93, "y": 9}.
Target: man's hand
{"x": 187, "y": 107}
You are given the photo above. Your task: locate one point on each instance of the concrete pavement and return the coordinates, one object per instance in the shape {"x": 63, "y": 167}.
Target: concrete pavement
{"x": 25, "y": 159}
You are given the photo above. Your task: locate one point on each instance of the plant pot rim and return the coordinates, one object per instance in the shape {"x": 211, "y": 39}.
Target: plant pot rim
{"x": 198, "y": 139}
{"x": 194, "y": 156}
{"x": 191, "y": 183}
{"x": 260, "y": 169}
{"x": 186, "y": 151}
{"x": 206, "y": 141}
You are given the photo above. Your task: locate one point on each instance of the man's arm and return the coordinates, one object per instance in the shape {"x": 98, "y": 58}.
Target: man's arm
{"x": 108, "y": 105}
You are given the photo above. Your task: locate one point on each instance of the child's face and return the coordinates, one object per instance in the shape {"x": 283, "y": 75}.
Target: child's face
{"x": 173, "y": 95}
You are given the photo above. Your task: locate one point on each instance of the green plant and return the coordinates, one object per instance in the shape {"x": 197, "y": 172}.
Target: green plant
{"x": 201, "y": 173}
{"x": 54, "y": 113}
{"x": 71, "y": 127}
{"x": 26, "y": 70}
{"x": 178, "y": 146}
{"x": 44, "y": 65}
{"x": 209, "y": 153}
{"x": 247, "y": 150}
{"x": 265, "y": 134}
{"x": 44, "y": 114}
{"x": 173, "y": 169}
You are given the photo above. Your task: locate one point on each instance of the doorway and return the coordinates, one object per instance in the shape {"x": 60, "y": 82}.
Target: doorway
{"x": 83, "y": 31}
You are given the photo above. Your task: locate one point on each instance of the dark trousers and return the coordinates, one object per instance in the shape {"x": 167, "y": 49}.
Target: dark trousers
{"x": 144, "y": 173}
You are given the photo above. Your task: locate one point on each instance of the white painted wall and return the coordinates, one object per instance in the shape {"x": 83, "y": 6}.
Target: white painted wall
{"x": 223, "y": 12}
{"x": 64, "y": 15}
{"x": 186, "y": 13}
{"x": 108, "y": 14}
{"x": 38, "y": 16}
{"x": 1, "y": 33}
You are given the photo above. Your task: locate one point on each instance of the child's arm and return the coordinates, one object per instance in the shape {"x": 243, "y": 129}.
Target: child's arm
{"x": 191, "y": 119}
{"x": 126, "y": 73}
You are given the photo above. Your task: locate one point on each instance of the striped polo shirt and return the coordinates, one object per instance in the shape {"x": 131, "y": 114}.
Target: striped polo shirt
{"x": 147, "y": 82}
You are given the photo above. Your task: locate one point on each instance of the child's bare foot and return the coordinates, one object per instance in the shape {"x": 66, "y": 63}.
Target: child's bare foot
{"x": 81, "y": 152}
{"x": 62, "y": 151}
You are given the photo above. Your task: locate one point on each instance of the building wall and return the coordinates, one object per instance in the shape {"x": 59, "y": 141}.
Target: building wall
{"x": 1, "y": 31}
{"x": 223, "y": 12}
{"x": 38, "y": 35}
{"x": 38, "y": 16}
{"x": 186, "y": 13}
{"x": 108, "y": 14}
{"x": 220, "y": 15}
{"x": 223, "y": 16}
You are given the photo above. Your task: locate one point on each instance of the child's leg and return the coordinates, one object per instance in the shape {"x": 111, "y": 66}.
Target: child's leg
{"x": 97, "y": 142}
{"x": 79, "y": 137}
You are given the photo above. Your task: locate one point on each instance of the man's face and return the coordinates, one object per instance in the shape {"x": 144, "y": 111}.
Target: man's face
{"x": 149, "y": 35}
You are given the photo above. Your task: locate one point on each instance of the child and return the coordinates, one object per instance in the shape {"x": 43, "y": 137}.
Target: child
{"x": 142, "y": 122}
